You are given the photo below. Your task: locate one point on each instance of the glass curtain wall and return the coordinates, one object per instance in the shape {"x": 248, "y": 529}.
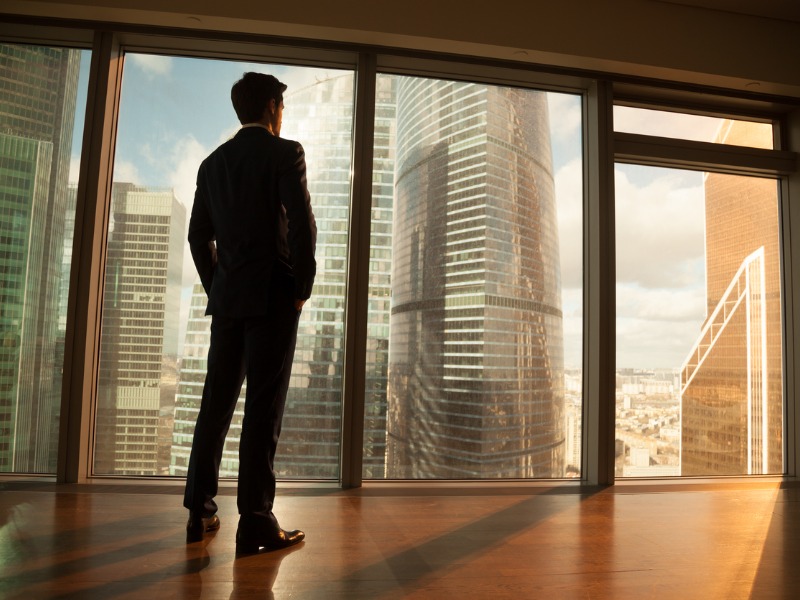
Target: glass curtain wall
{"x": 155, "y": 334}
{"x": 42, "y": 102}
{"x": 699, "y": 334}
{"x": 474, "y": 346}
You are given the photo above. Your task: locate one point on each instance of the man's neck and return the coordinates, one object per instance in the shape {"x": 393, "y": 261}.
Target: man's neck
{"x": 257, "y": 124}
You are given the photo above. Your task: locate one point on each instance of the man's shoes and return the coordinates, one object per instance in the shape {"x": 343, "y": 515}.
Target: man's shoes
{"x": 197, "y": 526}
{"x": 249, "y": 540}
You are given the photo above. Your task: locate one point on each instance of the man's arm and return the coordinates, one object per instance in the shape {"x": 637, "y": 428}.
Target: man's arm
{"x": 302, "y": 234}
{"x": 201, "y": 238}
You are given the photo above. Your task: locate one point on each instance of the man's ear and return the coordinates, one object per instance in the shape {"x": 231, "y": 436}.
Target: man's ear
{"x": 271, "y": 106}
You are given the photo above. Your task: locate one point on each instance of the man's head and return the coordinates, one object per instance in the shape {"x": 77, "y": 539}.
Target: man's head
{"x": 257, "y": 96}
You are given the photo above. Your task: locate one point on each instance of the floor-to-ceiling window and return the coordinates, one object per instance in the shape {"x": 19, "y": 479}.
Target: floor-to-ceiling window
{"x": 699, "y": 312}
{"x": 474, "y": 346}
{"x": 155, "y": 334}
{"x": 475, "y": 294}
{"x": 42, "y": 99}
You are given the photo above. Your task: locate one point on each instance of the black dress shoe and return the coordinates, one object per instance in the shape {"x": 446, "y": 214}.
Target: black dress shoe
{"x": 197, "y": 526}
{"x": 250, "y": 540}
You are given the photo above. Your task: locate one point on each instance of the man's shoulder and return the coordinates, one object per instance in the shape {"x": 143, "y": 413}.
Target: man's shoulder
{"x": 253, "y": 139}
{"x": 288, "y": 144}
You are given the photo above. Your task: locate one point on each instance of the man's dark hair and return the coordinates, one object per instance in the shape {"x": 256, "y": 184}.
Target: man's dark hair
{"x": 252, "y": 93}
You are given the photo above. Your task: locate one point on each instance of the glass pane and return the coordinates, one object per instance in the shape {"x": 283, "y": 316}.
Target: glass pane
{"x": 155, "y": 336}
{"x": 474, "y": 344}
{"x": 697, "y": 128}
{"x": 42, "y": 102}
{"x": 699, "y": 351}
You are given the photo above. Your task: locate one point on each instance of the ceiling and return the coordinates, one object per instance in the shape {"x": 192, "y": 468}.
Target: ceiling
{"x": 787, "y": 10}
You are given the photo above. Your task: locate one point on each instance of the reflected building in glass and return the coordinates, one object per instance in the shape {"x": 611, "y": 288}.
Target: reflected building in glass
{"x": 37, "y": 110}
{"x": 476, "y": 376}
{"x": 731, "y": 383}
{"x": 138, "y": 341}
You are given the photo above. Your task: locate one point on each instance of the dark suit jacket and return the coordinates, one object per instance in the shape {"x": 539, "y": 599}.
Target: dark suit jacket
{"x": 252, "y": 200}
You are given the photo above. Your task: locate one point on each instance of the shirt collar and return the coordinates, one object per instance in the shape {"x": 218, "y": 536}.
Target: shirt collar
{"x": 255, "y": 125}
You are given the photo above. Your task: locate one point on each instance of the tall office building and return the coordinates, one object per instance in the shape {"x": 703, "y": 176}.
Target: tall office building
{"x": 380, "y": 270}
{"x": 191, "y": 377}
{"x": 320, "y": 116}
{"x": 37, "y": 110}
{"x": 138, "y": 343}
{"x": 476, "y": 350}
{"x": 731, "y": 383}
{"x": 66, "y": 258}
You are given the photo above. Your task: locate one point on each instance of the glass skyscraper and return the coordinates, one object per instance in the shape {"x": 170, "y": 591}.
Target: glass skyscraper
{"x": 731, "y": 383}
{"x": 475, "y": 371}
{"x": 37, "y": 109}
{"x": 380, "y": 284}
{"x": 138, "y": 343}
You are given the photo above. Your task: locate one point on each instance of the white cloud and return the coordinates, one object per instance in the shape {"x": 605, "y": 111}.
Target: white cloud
{"x": 660, "y": 237}
{"x": 125, "y": 171}
{"x": 645, "y": 343}
{"x": 227, "y": 134}
{"x": 185, "y": 158}
{"x": 661, "y": 304}
{"x": 566, "y": 115}
{"x": 660, "y": 231}
{"x": 151, "y": 64}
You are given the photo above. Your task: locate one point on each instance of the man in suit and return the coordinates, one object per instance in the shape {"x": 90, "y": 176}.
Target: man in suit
{"x": 252, "y": 235}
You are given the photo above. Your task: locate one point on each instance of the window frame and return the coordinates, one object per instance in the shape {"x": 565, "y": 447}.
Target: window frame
{"x": 602, "y": 147}
{"x": 778, "y": 164}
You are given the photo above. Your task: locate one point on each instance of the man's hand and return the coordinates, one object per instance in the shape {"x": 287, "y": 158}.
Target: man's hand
{"x": 298, "y": 305}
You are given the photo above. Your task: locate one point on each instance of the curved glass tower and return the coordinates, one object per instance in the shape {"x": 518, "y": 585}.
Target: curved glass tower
{"x": 476, "y": 348}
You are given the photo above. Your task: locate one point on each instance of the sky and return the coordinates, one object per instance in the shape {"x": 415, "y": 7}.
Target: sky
{"x": 175, "y": 111}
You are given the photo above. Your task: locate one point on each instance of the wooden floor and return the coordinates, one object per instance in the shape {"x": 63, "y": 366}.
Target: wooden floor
{"x": 680, "y": 541}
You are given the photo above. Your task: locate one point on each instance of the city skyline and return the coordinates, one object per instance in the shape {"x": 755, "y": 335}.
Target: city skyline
{"x": 170, "y": 82}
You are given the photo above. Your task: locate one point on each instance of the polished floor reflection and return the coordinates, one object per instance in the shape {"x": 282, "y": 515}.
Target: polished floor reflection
{"x": 729, "y": 540}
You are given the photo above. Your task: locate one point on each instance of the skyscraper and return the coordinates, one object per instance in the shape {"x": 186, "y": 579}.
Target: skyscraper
{"x": 138, "y": 349}
{"x": 380, "y": 271}
{"x": 476, "y": 349}
{"x": 191, "y": 377}
{"x": 37, "y": 109}
{"x": 731, "y": 383}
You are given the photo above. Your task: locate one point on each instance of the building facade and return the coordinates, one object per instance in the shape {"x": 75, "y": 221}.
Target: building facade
{"x": 139, "y": 340}
{"x": 476, "y": 381}
{"x": 731, "y": 383}
{"x": 37, "y": 111}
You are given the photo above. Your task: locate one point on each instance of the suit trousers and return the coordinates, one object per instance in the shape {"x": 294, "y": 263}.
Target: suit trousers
{"x": 260, "y": 349}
